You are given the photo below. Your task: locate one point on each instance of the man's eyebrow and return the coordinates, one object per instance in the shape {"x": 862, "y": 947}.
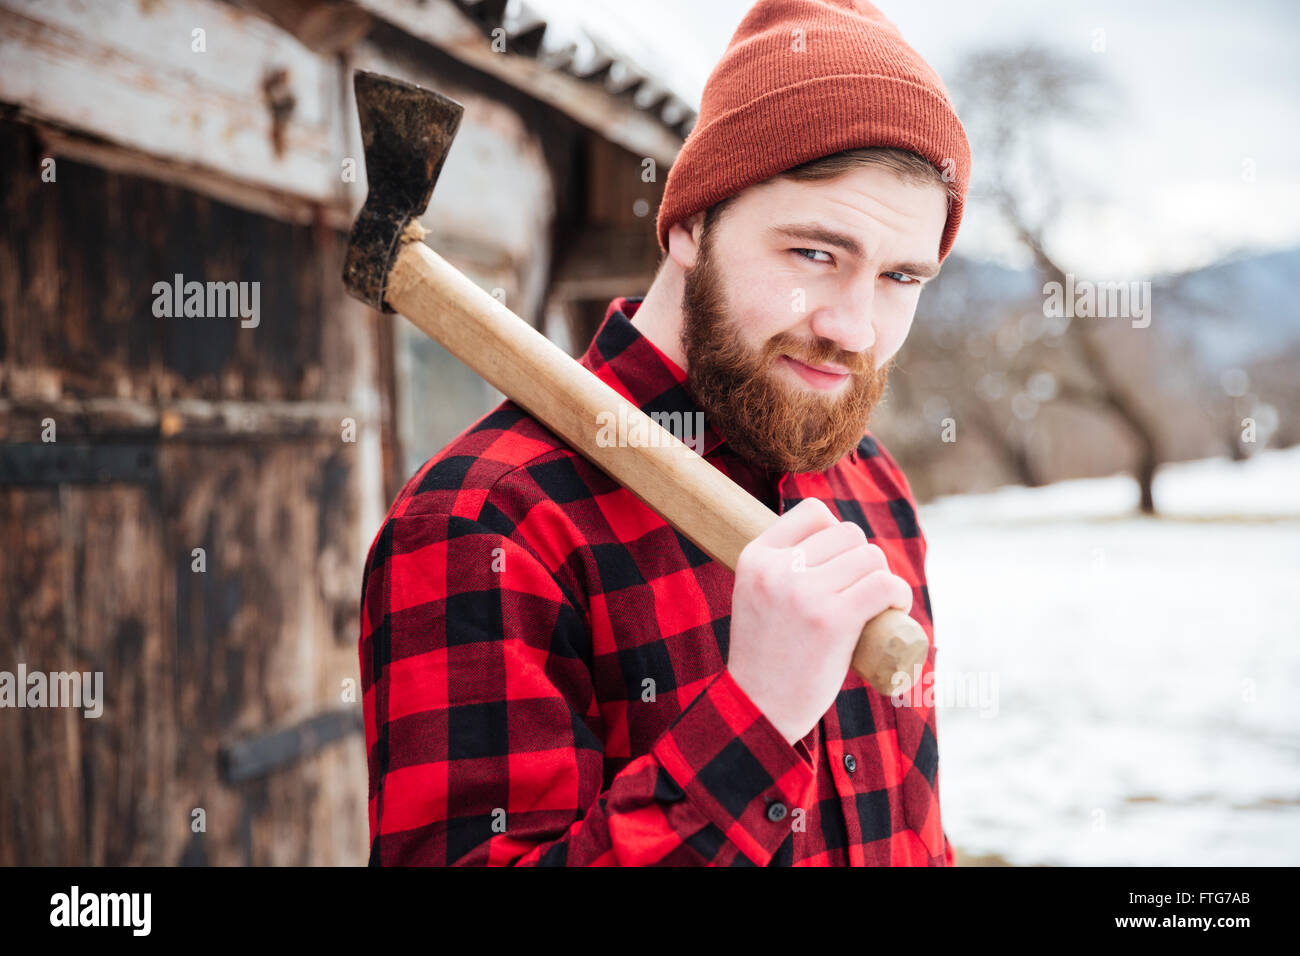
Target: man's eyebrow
{"x": 816, "y": 232}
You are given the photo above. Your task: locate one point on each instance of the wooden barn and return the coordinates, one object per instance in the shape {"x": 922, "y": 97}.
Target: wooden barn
{"x": 186, "y": 500}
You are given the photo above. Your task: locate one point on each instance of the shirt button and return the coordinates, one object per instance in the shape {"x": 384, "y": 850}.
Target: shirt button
{"x": 776, "y": 811}
{"x": 850, "y": 763}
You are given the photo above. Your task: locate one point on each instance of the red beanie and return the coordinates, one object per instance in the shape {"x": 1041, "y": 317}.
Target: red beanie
{"x": 805, "y": 78}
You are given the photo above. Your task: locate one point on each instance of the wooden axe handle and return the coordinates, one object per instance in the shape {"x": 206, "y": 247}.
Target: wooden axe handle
{"x": 689, "y": 493}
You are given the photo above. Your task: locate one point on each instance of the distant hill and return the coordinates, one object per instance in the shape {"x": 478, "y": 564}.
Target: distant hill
{"x": 1234, "y": 313}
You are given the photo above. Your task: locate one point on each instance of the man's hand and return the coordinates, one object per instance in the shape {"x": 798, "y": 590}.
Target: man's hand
{"x": 804, "y": 589}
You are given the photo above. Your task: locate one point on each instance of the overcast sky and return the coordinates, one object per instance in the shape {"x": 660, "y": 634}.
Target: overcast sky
{"x": 1205, "y": 86}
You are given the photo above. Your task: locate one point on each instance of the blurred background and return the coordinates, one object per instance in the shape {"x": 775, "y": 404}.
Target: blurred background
{"x": 1111, "y": 497}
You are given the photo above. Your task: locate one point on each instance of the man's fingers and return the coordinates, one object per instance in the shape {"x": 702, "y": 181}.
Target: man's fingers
{"x": 880, "y": 586}
{"x": 830, "y": 543}
{"x": 849, "y": 567}
{"x": 803, "y": 519}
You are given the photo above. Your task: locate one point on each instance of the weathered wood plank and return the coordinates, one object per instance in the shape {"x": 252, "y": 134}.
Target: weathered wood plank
{"x": 130, "y": 419}
{"x": 261, "y": 635}
{"x": 221, "y": 185}
{"x": 253, "y": 103}
{"x": 82, "y": 588}
{"x": 446, "y": 27}
{"x": 326, "y": 26}
{"x": 266, "y": 637}
{"x": 82, "y": 258}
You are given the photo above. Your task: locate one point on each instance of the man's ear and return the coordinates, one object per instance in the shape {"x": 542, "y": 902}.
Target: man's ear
{"x": 684, "y": 239}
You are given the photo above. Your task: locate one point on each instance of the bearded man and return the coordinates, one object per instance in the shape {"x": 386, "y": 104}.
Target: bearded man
{"x": 553, "y": 675}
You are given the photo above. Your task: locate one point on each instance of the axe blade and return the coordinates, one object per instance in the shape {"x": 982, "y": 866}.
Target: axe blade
{"x": 406, "y": 132}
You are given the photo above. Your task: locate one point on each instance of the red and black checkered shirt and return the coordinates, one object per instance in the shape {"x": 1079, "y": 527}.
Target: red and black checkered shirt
{"x": 543, "y": 665}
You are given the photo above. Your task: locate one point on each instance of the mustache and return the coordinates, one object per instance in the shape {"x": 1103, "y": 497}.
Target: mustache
{"x": 819, "y": 351}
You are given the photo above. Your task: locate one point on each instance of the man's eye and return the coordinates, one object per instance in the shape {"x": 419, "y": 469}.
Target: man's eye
{"x": 815, "y": 252}
{"x": 902, "y": 279}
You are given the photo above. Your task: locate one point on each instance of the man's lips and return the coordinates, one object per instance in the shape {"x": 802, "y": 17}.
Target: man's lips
{"x": 818, "y": 376}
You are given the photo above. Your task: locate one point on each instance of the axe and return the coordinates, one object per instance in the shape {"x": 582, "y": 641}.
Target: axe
{"x": 407, "y": 132}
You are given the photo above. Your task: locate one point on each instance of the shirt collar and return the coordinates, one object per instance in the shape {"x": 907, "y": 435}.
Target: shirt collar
{"x": 625, "y": 359}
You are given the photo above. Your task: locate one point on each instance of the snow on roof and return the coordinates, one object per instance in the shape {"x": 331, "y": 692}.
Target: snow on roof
{"x": 564, "y": 35}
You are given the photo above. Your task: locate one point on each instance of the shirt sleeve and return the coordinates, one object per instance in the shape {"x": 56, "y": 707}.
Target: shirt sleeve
{"x": 484, "y": 739}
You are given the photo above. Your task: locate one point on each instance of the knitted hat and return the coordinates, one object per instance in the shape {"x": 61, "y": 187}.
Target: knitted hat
{"x": 805, "y": 78}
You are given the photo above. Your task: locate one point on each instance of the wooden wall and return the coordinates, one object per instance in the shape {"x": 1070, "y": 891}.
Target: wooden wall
{"x": 174, "y": 434}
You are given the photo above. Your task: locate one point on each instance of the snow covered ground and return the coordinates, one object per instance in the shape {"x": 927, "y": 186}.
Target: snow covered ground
{"x": 1141, "y": 676}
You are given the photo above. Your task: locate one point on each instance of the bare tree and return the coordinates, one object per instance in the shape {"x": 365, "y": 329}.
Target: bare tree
{"x": 1012, "y": 103}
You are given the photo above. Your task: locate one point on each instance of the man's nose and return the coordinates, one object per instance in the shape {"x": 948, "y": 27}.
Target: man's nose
{"x": 847, "y": 323}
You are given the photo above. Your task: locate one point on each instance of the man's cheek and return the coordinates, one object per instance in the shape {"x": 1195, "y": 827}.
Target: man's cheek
{"x": 886, "y": 346}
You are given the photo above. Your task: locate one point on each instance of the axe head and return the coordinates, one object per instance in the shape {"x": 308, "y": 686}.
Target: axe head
{"x": 406, "y": 132}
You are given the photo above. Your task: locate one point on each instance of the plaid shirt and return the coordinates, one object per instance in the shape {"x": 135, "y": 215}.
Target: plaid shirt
{"x": 543, "y": 665}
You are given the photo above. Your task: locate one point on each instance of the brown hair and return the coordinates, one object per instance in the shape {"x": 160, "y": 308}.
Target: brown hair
{"x": 909, "y": 166}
